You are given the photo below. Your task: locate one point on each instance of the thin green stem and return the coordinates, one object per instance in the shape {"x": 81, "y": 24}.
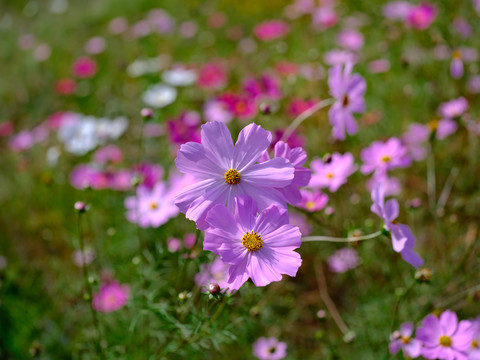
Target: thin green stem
{"x": 304, "y": 115}
{"x": 341, "y": 240}
{"x": 88, "y": 286}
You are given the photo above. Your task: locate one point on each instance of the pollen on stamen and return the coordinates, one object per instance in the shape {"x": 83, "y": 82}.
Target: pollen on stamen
{"x": 405, "y": 340}
{"x": 345, "y": 100}
{"x": 232, "y": 177}
{"x": 445, "y": 341}
{"x": 153, "y": 205}
{"x": 252, "y": 241}
{"x": 475, "y": 344}
{"x": 329, "y": 175}
{"x": 386, "y": 158}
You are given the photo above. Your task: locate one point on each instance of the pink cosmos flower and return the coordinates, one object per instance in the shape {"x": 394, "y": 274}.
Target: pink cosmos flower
{"x": 65, "y": 86}
{"x": 294, "y": 140}
{"x": 444, "y": 128}
{"x": 348, "y": 90}
{"x": 95, "y": 45}
{"x": 474, "y": 351}
{"x": 350, "y": 39}
{"x": 174, "y": 245}
{"x": 22, "y": 141}
{"x": 84, "y": 67}
{"x": 260, "y": 248}
{"x": 453, "y": 108}
{"x": 324, "y": 17}
{"x": 121, "y": 180}
{"x": 343, "y": 260}
{"x": 379, "y": 66}
{"x": 109, "y": 153}
{"x": 151, "y": 208}
{"x": 420, "y": 17}
{"x": 225, "y": 170}
{"x": 445, "y": 337}
{"x": 6, "y": 128}
{"x": 213, "y": 273}
{"x": 149, "y": 174}
{"x": 339, "y": 57}
{"x": 456, "y": 66}
{"x": 184, "y": 128}
{"x": 267, "y": 87}
{"x": 286, "y": 68}
{"x": 397, "y": 10}
{"x": 416, "y": 135}
{"x": 403, "y": 240}
{"x": 383, "y": 156}
{"x": 402, "y": 340}
{"x": 269, "y": 349}
{"x": 216, "y": 110}
{"x": 212, "y": 76}
{"x": 313, "y": 201}
{"x": 241, "y": 106}
{"x": 298, "y": 106}
{"x": 333, "y": 172}
{"x": 118, "y": 25}
{"x": 85, "y": 257}
{"x": 271, "y": 30}
{"x": 111, "y": 297}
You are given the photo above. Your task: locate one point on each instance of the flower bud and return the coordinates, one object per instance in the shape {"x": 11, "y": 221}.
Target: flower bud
{"x": 80, "y": 206}
{"x": 214, "y": 289}
{"x": 146, "y": 113}
{"x": 265, "y": 108}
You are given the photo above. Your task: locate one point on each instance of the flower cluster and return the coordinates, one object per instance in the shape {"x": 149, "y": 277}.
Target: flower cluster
{"x": 443, "y": 338}
{"x": 240, "y": 200}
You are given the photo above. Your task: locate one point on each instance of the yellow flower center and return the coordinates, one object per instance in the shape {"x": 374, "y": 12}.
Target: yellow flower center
{"x": 252, "y": 241}
{"x": 153, "y": 205}
{"x": 386, "y": 158}
{"x": 310, "y": 205}
{"x": 345, "y": 100}
{"x": 475, "y": 344}
{"x": 445, "y": 341}
{"x": 405, "y": 340}
{"x": 329, "y": 175}
{"x": 232, "y": 177}
{"x": 433, "y": 125}
{"x": 456, "y": 54}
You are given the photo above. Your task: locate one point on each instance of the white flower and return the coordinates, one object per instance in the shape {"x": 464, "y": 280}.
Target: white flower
{"x": 159, "y": 96}
{"x": 179, "y": 76}
{"x": 147, "y": 66}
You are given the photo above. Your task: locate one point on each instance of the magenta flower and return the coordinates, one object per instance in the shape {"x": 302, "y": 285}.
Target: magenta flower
{"x": 348, "y": 90}
{"x": 324, "y": 17}
{"x": 151, "y": 207}
{"x": 266, "y": 87}
{"x": 313, "y": 201}
{"x": 149, "y": 174}
{"x": 298, "y": 106}
{"x": 333, "y": 172}
{"x": 402, "y": 340}
{"x": 111, "y": 297}
{"x": 271, "y": 30}
{"x": 343, "y": 260}
{"x": 420, "y": 17}
{"x": 212, "y": 76}
{"x": 241, "y": 106}
{"x": 84, "y": 67}
{"x": 225, "y": 170}
{"x": 403, "y": 240}
{"x": 294, "y": 140}
{"x": 184, "y": 128}
{"x": 445, "y": 337}
{"x": 269, "y": 349}
{"x": 383, "y": 156}
{"x": 260, "y": 248}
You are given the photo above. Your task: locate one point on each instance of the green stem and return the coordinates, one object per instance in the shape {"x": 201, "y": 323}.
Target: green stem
{"x": 341, "y": 240}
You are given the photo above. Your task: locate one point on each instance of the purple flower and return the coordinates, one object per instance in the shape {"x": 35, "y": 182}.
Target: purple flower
{"x": 348, "y": 90}
{"x": 414, "y": 139}
{"x": 150, "y": 174}
{"x": 111, "y": 297}
{"x": 456, "y": 66}
{"x": 215, "y": 110}
{"x": 403, "y": 240}
{"x": 391, "y": 184}
{"x": 213, "y": 273}
{"x": 474, "y": 351}
{"x": 383, "y": 156}
{"x": 226, "y": 170}
{"x": 343, "y": 260}
{"x": 397, "y": 10}
{"x": 184, "y": 128}
{"x": 333, "y": 172}
{"x": 313, "y": 201}
{"x": 151, "y": 207}
{"x": 420, "y": 17}
{"x": 350, "y": 39}
{"x": 445, "y": 337}
{"x": 301, "y": 176}
{"x": 266, "y": 87}
{"x": 453, "y": 108}
{"x": 402, "y": 340}
{"x": 339, "y": 57}
{"x": 269, "y": 349}
{"x": 260, "y": 248}
{"x": 444, "y": 128}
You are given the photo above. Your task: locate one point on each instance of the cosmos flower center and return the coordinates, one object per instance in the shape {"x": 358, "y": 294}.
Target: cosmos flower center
{"x": 475, "y": 344}
{"x": 153, "y": 205}
{"x": 345, "y": 100}
{"x": 232, "y": 177}
{"x": 272, "y": 350}
{"x": 433, "y": 125}
{"x": 386, "y": 158}
{"x": 329, "y": 175}
{"x": 252, "y": 241}
{"x": 456, "y": 54}
{"x": 405, "y": 339}
{"x": 240, "y": 107}
{"x": 445, "y": 341}
{"x": 310, "y": 205}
